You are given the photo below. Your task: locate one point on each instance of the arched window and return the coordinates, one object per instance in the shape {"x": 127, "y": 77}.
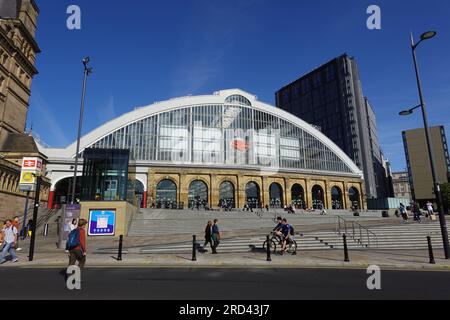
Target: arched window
{"x": 252, "y": 195}
{"x": 355, "y": 200}
{"x": 139, "y": 193}
{"x": 298, "y": 196}
{"x": 166, "y": 194}
{"x": 63, "y": 190}
{"x": 336, "y": 198}
{"x": 318, "y": 197}
{"x": 276, "y": 196}
{"x": 198, "y": 195}
{"x": 227, "y": 199}
{"x": 237, "y": 98}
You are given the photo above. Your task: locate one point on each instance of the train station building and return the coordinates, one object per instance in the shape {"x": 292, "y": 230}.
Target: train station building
{"x": 224, "y": 148}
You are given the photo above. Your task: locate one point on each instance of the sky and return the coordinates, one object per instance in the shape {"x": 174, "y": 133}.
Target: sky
{"x": 146, "y": 51}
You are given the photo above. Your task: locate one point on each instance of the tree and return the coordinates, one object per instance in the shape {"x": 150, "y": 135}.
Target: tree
{"x": 445, "y": 190}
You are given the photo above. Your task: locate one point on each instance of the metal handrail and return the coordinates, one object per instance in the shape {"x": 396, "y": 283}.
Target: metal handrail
{"x": 356, "y": 228}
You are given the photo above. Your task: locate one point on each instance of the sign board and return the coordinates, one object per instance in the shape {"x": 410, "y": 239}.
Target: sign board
{"x": 72, "y": 213}
{"x": 27, "y": 187}
{"x": 31, "y": 167}
{"x": 27, "y": 177}
{"x": 32, "y": 164}
{"x": 102, "y": 223}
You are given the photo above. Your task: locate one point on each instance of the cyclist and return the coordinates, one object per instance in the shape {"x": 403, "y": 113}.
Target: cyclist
{"x": 278, "y": 229}
{"x": 286, "y": 235}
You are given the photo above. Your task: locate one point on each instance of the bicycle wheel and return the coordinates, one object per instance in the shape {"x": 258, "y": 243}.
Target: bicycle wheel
{"x": 292, "y": 247}
{"x": 273, "y": 246}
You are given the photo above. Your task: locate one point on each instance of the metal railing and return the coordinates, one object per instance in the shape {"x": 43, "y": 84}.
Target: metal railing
{"x": 357, "y": 232}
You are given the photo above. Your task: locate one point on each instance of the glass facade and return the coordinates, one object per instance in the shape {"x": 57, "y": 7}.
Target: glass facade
{"x": 252, "y": 195}
{"x": 336, "y": 198}
{"x": 106, "y": 176}
{"x": 298, "y": 196}
{"x": 227, "y": 199}
{"x": 318, "y": 197}
{"x": 166, "y": 194}
{"x": 276, "y": 196}
{"x": 198, "y": 195}
{"x": 230, "y": 134}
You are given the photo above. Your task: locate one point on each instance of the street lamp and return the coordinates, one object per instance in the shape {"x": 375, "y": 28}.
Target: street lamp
{"x": 436, "y": 183}
{"x": 87, "y": 72}
{"x": 35, "y": 216}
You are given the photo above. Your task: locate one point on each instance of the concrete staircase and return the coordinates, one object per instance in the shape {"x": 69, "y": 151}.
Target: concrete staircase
{"x": 393, "y": 235}
{"x": 411, "y": 236}
{"x": 385, "y": 234}
{"x": 233, "y": 245}
{"x": 160, "y": 222}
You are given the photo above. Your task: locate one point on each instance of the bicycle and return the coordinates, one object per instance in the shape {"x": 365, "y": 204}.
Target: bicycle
{"x": 291, "y": 247}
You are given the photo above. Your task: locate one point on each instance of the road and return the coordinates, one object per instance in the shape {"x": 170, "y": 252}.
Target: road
{"x": 223, "y": 284}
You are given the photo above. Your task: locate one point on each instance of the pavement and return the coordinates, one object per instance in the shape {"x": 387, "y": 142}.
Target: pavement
{"x": 48, "y": 256}
{"x": 102, "y": 253}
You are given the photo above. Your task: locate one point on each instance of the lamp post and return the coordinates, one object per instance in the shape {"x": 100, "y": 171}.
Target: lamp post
{"x": 436, "y": 183}
{"x": 35, "y": 216}
{"x": 87, "y": 72}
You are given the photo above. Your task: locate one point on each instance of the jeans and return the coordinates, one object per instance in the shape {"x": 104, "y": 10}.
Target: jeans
{"x": 216, "y": 242}
{"x": 8, "y": 248}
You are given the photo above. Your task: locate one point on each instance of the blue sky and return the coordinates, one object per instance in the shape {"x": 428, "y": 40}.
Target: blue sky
{"x": 145, "y": 51}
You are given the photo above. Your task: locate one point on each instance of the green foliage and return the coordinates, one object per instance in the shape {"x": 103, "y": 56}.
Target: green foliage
{"x": 445, "y": 189}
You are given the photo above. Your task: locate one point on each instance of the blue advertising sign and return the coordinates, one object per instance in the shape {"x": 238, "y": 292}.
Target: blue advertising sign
{"x": 102, "y": 223}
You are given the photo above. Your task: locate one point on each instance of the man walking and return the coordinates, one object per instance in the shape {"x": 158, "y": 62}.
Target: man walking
{"x": 430, "y": 209}
{"x": 16, "y": 224}
{"x": 76, "y": 245}
{"x": 10, "y": 233}
{"x": 416, "y": 212}
{"x": 215, "y": 236}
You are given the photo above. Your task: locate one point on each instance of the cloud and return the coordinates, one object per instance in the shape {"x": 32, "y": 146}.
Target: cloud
{"x": 48, "y": 120}
{"x": 108, "y": 112}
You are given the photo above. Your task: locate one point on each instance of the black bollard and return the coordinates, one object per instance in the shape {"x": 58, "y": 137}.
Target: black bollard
{"x": 430, "y": 251}
{"x": 194, "y": 248}
{"x": 119, "y": 256}
{"x": 347, "y": 259}
{"x": 269, "y": 258}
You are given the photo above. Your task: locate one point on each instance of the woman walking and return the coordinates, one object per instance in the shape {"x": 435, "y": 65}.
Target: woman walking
{"x": 208, "y": 236}
{"x": 215, "y": 236}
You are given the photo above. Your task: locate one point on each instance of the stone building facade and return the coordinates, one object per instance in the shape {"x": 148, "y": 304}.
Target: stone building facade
{"x": 18, "y": 51}
{"x": 213, "y": 178}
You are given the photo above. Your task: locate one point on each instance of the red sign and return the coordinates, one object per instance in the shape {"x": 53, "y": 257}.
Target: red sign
{"x": 32, "y": 164}
{"x": 240, "y": 145}
{"x": 29, "y": 164}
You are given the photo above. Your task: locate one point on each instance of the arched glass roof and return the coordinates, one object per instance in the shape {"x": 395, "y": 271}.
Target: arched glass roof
{"x": 228, "y": 129}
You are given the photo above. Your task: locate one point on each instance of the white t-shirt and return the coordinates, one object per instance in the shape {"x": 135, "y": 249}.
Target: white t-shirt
{"x": 10, "y": 234}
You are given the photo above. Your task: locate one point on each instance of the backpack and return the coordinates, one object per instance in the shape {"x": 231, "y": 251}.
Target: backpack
{"x": 73, "y": 240}
{"x": 291, "y": 231}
